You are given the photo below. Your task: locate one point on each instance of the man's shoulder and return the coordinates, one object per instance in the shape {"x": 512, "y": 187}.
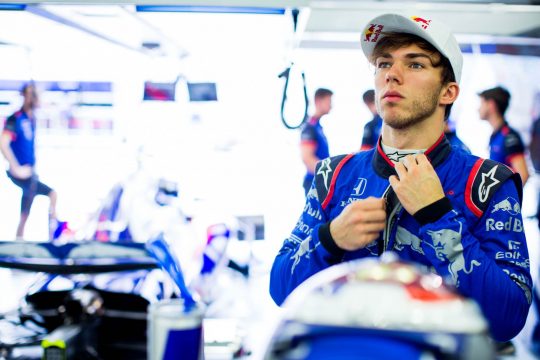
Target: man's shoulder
{"x": 484, "y": 179}
{"x": 328, "y": 170}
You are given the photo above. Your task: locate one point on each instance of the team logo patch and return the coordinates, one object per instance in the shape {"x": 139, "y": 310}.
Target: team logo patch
{"x": 373, "y": 32}
{"x": 488, "y": 181}
{"x": 424, "y": 23}
{"x": 509, "y": 205}
{"x": 359, "y": 187}
{"x": 325, "y": 171}
{"x": 484, "y": 179}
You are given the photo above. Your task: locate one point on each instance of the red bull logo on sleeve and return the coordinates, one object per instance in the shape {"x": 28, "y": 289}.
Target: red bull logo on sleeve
{"x": 421, "y": 21}
{"x": 373, "y": 32}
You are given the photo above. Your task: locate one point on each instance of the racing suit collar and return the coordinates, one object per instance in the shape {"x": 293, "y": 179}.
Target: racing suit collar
{"x": 436, "y": 154}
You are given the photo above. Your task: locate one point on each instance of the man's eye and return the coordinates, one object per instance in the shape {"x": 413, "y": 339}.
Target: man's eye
{"x": 383, "y": 65}
{"x": 416, "y": 66}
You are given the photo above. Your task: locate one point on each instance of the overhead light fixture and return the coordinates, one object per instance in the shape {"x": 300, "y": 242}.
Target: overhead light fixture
{"x": 210, "y": 9}
{"x": 12, "y": 7}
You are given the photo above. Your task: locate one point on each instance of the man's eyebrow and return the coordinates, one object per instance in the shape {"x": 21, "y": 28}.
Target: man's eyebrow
{"x": 417, "y": 55}
{"x": 421, "y": 55}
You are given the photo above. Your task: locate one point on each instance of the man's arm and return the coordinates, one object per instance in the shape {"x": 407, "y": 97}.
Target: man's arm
{"x": 514, "y": 149}
{"x": 301, "y": 254}
{"x": 318, "y": 242}
{"x": 487, "y": 261}
{"x": 307, "y": 150}
{"x": 519, "y": 165}
{"x": 18, "y": 171}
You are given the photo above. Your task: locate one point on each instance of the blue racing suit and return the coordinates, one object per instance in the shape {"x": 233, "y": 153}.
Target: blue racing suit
{"x": 473, "y": 238}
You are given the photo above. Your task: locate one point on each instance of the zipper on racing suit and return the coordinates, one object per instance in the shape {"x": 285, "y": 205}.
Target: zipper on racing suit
{"x": 393, "y": 209}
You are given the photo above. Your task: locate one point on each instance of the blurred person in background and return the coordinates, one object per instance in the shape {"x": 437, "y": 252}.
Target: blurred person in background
{"x": 313, "y": 144}
{"x": 17, "y": 144}
{"x": 505, "y": 144}
{"x": 534, "y": 150}
{"x": 450, "y": 133}
{"x": 372, "y": 129}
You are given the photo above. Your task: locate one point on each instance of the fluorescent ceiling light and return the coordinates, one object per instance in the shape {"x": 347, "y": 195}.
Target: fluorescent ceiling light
{"x": 12, "y": 7}
{"x": 210, "y": 9}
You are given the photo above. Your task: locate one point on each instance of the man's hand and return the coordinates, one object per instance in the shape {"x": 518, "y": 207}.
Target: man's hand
{"x": 418, "y": 185}
{"x": 359, "y": 224}
{"x": 21, "y": 172}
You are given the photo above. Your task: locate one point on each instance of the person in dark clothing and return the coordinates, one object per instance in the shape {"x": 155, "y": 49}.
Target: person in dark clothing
{"x": 17, "y": 144}
{"x": 313, "y": 144}
{"x": 372, "y": 129}
{"x": 505, "y": 144}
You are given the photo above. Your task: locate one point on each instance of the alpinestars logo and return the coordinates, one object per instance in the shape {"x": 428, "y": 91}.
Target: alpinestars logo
{"x": 325, "y": 170}
{"x": 488, "y": 181}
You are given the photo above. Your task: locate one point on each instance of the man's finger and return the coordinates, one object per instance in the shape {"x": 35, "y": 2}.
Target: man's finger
{"x": 401, "y": 170}
{"x": 371, "y": 228}
{"x": 423, "y": 161}
{"x": 370, "y": 203}
{"x": 393, "y": 181}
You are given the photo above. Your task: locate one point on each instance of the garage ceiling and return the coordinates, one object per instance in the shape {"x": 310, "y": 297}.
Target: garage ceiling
{"x": 321, "y": 24}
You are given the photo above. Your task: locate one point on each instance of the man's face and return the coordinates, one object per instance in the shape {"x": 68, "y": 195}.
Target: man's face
{"x": 407, "y": 86}
{"x": 31, "y": 99}
{"x": 324, "y": 104}
{"x": 484, "y": 109}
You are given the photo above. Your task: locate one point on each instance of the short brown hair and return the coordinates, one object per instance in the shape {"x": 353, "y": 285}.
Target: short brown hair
{"x": 322, "y": 92}
{"x": 392, "y": 41}
{"x": 499, "y": 95}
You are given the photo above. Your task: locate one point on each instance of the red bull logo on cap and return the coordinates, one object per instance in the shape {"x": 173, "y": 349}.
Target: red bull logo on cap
{"x": 421, "y": 21}
{"x": 373, "y": 32}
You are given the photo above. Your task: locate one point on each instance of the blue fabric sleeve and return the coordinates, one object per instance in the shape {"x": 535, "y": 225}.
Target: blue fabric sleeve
{"x": 302, "y": 253}
{"x": 513, "y": 144}
{"x": 309, "y": 134}
{"x": 11, "y": 124}
{"x": 487, "y": 261}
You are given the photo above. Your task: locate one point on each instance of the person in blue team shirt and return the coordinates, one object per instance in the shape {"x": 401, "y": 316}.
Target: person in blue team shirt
{"x": 534, "y": 150}
{"x": 414, "y": 194}
{"x": 313, "y": 144}
{"x": 505, "y": 144}
{"x": 372, "y": 129}
{"x": 453, "y": 139}
{"x": 17, "y": 144}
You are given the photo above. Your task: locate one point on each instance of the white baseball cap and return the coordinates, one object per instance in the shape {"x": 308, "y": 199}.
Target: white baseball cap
{"x": 435, "y": 33}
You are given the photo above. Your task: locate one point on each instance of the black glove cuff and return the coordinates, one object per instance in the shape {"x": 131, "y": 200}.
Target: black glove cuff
{"x": 434, "y": 211}
{"x": 328, "y": 242}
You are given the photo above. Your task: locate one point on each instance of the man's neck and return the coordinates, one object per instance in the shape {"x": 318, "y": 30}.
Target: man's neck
{"x": 496, "y": 121}
{"x": 419, "y": 136}
{"x": 28, "y": 110}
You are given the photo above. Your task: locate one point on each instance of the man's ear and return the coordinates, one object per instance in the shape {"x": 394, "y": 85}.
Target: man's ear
{"x": 449, "y": 93}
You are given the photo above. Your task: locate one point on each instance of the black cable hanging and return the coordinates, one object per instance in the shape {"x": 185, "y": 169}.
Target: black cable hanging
{"x": 285, "y": 74}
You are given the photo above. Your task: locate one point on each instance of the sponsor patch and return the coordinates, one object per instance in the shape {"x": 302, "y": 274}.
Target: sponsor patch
{"x": 509, "y": 205}
{"x": 512, "y": 224}
{"x": 484, "y": 180}
{"x": 373, "y": 32}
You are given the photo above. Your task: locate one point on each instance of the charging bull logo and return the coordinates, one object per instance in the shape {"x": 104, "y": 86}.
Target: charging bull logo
{"x": 421, "y": 21}
{"x": 373, "y": 32}
{"x": 406, "y": 238}
{"x": 448, "y": 247}
{"x": 303, "y": 251}
{"x": 509, "y": 205}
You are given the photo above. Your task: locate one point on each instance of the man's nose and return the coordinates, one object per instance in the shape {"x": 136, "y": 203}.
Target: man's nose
{"x": 394, "y": 73}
